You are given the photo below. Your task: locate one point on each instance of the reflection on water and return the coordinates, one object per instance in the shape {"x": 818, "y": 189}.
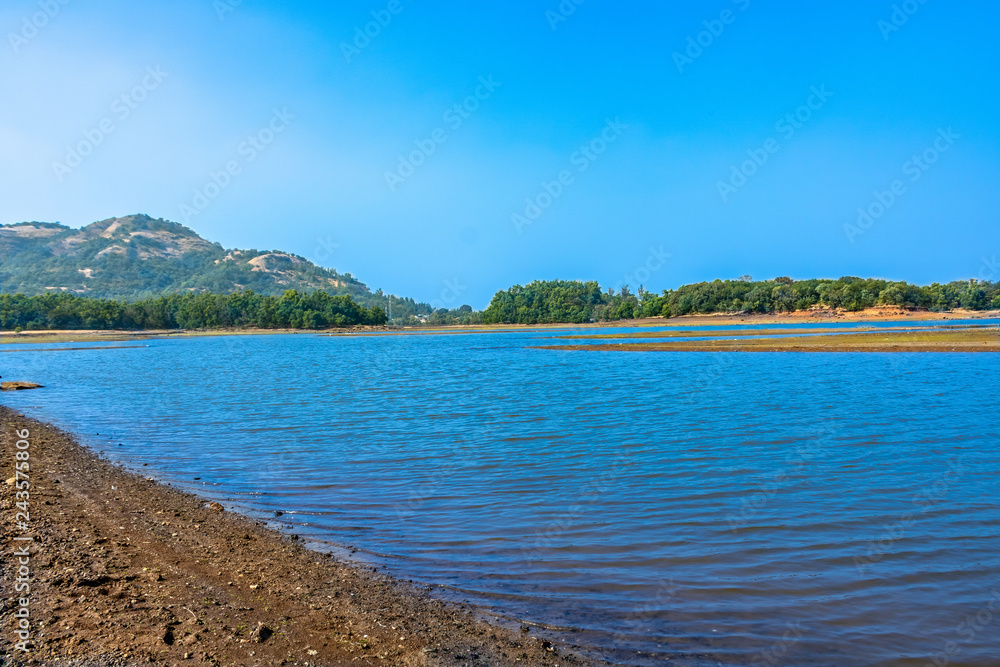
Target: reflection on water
{"x": 718, "y": 508}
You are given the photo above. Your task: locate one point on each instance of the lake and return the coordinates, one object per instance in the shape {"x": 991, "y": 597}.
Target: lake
{"x": 716, "y": 508}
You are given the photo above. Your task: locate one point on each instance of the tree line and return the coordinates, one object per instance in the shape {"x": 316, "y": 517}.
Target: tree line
{"x": 539, "y": 302}
{"x": 293, "y": 310}
{"x": 559, "y": 301}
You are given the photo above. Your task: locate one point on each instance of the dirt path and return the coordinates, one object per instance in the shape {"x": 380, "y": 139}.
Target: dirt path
{"x": 126, "y": 571}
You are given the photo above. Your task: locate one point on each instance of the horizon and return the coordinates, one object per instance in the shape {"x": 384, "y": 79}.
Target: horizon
{"x": 589, "y": 142}
{"x": 990, "y": 265}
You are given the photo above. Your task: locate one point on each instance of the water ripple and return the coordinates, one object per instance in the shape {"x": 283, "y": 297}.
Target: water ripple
{"x": 716, "y": 509}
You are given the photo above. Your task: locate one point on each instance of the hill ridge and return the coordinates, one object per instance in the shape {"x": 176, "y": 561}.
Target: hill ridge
{"x": 138, "y": 256}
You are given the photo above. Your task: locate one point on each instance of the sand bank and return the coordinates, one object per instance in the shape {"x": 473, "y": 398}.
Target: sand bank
{"x": 128, "y": 571}
{"x": 937, "y": 340}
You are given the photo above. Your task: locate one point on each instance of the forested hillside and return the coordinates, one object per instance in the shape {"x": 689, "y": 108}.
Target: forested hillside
{"x": 138, "y": 257}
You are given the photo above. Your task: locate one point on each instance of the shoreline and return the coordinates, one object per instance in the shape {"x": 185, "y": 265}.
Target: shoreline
{"x": 718, "y": 319}
{"x": 113, "y": 336}
{"x": 126, "y": 570}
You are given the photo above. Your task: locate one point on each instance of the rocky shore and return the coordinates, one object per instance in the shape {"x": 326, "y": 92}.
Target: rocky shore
{"x": 126, "y": 571}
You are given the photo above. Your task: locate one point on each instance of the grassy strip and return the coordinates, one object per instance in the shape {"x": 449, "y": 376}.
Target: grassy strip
{"x": 719, "y": 333}
{"x": 950, "y": 340}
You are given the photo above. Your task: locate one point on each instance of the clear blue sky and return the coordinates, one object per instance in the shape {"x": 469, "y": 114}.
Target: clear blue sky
{"x": 320, "y": 189}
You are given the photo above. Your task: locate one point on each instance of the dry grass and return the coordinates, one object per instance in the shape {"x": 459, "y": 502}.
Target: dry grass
{"x": 721, "y": 333}
{"x": 939, "y": 340}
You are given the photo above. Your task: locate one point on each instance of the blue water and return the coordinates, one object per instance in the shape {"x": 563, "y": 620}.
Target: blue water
{"x": 766, "y": 508}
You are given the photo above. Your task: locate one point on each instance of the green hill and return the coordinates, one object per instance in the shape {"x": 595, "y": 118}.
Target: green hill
{"x": 136, "y": 256}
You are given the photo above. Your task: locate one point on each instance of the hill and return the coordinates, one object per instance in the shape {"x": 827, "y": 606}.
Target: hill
{"x": 137, "y": 257}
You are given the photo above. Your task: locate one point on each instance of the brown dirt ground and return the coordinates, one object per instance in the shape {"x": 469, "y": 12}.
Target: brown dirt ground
{"x": 101, "y": 335}
{"x": 880, "y": 314}
{"x": 720, "y": 333}
{"x": 946, "y": 340}
{"x": 126, "y": 571}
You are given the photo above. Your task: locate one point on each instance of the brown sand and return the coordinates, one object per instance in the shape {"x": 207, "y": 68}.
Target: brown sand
{"x": 881, "y": 314}
{"x": 127, "y": 571}
{"x": 103, "y": 335}
{"x": 720, "y": 333}
{"x": 944, "y": 340}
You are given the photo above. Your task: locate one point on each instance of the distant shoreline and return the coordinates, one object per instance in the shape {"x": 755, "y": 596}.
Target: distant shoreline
{"x": 721, "y": 319}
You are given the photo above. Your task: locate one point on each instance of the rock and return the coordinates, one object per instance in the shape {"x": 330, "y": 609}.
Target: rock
{"x": 261, "y": 633}
{"x": 216, "y": 506}
{"x": 11, "y": 480}
{"x": 14, "y": 386}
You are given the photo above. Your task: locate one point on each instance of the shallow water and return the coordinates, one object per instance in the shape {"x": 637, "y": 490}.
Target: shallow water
{"x": 767, "y": 508}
